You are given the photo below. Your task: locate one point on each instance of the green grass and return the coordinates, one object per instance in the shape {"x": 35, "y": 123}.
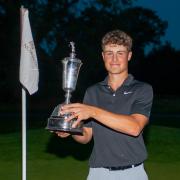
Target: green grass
{"x": 50, "y": 157}
{"x": 43, "y": 159}
{"x": 163, "y": 144}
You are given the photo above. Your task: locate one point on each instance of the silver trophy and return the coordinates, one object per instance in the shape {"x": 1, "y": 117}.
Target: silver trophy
{"x": 71, "y": 67}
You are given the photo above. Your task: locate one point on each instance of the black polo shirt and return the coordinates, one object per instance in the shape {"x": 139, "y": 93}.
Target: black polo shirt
{"x": 112, "y": 148}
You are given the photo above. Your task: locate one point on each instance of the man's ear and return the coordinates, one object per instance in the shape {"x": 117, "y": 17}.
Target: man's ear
{"x": 102, "y": 53}
{"x": 129, "y": 55}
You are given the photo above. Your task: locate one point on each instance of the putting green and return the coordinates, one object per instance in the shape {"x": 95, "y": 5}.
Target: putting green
{"x": 53, "y": 158}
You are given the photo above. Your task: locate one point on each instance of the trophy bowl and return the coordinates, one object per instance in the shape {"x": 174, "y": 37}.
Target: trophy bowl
{"x": 57, "y": 122}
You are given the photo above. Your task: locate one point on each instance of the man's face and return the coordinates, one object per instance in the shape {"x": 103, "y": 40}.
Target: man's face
{"x": 116, "y": 58}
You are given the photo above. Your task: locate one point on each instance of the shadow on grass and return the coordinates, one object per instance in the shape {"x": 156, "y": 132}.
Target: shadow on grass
{"x": 146, "y": 133}
{"x": 68, "y": 147}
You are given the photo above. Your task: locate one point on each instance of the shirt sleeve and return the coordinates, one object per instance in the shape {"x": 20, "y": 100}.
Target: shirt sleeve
{"x": 143, "y": 102}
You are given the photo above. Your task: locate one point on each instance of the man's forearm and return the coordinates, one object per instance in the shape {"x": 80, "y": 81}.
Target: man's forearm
{"x": 128, "y": 124}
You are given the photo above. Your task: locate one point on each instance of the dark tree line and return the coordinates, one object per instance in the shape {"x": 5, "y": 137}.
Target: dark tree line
{"x": 162, "y": 67}
{"x": 55, "y": 23}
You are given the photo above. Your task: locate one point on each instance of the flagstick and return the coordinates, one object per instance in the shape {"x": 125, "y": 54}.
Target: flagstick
{"x": 28, "y": 76}
{"x": 23, "y": 134}
{"x": 24, "y": 149}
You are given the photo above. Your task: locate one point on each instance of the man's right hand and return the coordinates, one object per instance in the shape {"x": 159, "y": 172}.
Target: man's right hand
{"x": 62, "y": 134}
{"x": 83, "y": 139}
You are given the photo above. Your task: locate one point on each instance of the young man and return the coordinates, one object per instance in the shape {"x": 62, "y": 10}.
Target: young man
{"x": 117, "y": 110}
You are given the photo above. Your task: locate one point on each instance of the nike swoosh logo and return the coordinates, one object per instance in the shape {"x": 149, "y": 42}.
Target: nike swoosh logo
{"x": 127, "y": 92}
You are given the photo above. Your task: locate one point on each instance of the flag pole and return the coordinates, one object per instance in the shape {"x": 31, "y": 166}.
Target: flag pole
{"x": 24, "y": 157}
{"x": 24, "y": 148}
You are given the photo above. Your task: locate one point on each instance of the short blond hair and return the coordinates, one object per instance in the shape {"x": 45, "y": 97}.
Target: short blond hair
{"x": 117, "y": 37}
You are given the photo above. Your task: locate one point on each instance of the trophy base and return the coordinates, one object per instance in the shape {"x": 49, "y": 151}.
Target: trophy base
{"x": 57, "y": 123}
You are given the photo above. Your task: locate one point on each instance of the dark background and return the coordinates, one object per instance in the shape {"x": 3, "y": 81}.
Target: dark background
{"x": 55, "y": 23}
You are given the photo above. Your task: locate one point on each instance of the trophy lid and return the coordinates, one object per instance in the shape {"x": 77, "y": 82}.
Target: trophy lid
{"x": 72, "y": 56}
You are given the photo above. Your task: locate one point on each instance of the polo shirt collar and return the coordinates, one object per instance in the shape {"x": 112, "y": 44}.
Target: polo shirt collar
{"x": 126, "y": 82}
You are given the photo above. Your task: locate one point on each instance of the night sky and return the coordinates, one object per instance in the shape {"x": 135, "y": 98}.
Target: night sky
{"x": 168, "y": 10}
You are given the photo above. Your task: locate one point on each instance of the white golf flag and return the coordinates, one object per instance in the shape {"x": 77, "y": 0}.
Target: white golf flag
{"x": 29, "y": 72}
